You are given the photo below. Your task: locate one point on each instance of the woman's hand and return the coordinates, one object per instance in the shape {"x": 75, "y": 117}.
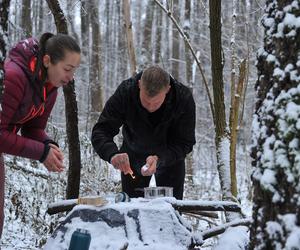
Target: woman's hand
{"x": 54, "y": 159}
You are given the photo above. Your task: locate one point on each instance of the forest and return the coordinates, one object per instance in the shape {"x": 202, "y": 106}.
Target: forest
{"x": 240, "y": 59}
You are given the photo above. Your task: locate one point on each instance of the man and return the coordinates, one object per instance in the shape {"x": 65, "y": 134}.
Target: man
{"x": 158, "y": 118}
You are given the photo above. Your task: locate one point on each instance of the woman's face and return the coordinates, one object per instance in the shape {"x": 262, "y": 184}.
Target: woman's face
{"x": 62, "y": 72}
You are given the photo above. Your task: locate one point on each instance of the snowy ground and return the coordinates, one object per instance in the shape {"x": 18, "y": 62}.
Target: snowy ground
{"x": 29, "y": 190}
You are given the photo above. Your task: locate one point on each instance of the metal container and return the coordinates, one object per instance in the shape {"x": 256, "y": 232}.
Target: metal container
{"x": 80, "y": 240}
{"x": 156, "y": 192}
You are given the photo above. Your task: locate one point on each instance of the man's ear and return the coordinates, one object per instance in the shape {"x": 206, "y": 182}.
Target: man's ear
{"x": 139, "y": 83}
{"x": 46, "y": 60}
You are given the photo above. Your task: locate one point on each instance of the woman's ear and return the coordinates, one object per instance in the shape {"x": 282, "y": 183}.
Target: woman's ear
{"x": 46, "y": 61}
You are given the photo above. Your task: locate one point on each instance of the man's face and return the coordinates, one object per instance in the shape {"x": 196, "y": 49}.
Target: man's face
{"x": 151, "y": 104}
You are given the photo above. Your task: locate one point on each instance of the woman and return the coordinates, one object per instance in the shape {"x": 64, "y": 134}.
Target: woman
{"x": 33, "y": 72}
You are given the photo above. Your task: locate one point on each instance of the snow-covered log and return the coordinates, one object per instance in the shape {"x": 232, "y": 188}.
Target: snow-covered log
{"x": 191, "y": 205}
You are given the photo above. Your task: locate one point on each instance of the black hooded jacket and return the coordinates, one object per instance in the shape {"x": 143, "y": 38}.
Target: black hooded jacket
{"x": 171, "y": 138}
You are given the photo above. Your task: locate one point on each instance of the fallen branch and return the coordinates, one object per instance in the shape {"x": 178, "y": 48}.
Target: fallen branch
{"x": 199, "y": 217}
{"x": 67, "y": 205}
{"x": 29, "y": 170}
{"x": 58, "y": 207}
{"x": 199, "y": 214}
{"x": 221, "y": 229}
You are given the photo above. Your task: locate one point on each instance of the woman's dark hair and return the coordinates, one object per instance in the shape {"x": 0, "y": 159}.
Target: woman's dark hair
{"x": 55, "y": 46}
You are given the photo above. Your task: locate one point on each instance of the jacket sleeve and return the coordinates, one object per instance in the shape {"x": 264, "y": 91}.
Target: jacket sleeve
{"x": 35, "y": 128}
{"x": 181, "y": 137}
{"x": 10, "y": 142}
{"x": 108, "y": 125}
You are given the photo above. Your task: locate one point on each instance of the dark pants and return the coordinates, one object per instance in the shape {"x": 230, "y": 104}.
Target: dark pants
{"x": 2, "y": 182}
{"x": 172, "y": 176}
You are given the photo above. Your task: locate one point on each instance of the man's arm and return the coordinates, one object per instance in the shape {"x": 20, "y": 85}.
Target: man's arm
{"x": 181, "y": 138}
{"x": 108, "y": 125}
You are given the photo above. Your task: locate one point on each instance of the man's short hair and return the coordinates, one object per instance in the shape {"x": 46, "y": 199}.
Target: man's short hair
{"x": 155, "y": 79}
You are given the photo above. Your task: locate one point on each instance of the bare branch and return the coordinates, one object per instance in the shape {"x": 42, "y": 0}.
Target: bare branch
{"x": 221, "y": 229}
{"x": 27, "y": 170}
{"x": 187, "y": 41}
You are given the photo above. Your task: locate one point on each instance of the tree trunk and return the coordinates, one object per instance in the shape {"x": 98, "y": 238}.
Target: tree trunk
{"x": 187, "y": 28}
{"x": 4, "y": 7}
{"x": 276, "y": 179}
{"x": 147, "y": 49}
{"x": 221, "y": 140}
{"x": 26, "y": 21}
{"x": 159, "y": 31}
{"x": 129, "y": 35}
{"x": 71, "y": 114}
{"x": 41, "y": 15}
{"x": 96, "y": 67}
{"x": 84, "y": 92}
{"x": 175, "y": 42}
{"x": 122, "y": 45}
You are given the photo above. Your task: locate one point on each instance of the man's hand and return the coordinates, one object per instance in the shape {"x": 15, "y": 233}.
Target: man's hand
{"x": 121, "y": 162}
{"x": 54, "y": 159}
{"x": 151, "y": 164}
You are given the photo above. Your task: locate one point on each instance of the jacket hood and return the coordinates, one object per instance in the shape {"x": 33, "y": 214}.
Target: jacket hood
{"x": 23, "y": 52}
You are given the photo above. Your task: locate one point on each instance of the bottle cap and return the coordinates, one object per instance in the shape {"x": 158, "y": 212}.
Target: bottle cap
{"x": 83, "y": 231}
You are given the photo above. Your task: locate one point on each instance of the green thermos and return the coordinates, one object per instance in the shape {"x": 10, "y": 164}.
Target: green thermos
{"x": 80, "y": 240}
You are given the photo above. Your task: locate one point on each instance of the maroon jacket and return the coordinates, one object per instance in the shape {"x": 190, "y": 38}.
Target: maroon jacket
{"x": 23, "y": 107}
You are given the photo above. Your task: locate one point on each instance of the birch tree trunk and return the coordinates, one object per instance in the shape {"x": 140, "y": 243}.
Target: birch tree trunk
{"x": 71, "y": 114}
{"x": 276, "y": 151}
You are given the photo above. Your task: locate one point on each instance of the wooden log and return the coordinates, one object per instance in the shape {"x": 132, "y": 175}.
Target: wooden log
{"x": 67, "y": 205}
{"x": 191, "y": 206}
{"x": 62, "y": 206}
{"x": 200, "y": 214}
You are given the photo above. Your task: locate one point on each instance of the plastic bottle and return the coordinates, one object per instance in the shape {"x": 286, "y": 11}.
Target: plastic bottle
{"x": 80, "y": 240}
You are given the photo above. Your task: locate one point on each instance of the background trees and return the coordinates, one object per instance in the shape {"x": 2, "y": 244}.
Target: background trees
{"x": 99, "y": 28}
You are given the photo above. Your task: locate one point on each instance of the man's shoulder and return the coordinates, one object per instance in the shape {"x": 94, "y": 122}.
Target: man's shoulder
{"x": 128, "y": 85}
{"x": 182, "y": 91}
